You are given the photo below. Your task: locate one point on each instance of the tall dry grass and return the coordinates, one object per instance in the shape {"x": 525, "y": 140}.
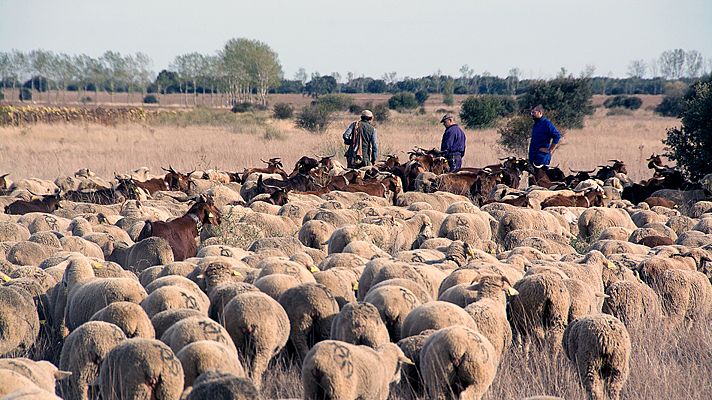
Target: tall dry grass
{"x": 218, "y": 139}
{"x": 667, "y": 362}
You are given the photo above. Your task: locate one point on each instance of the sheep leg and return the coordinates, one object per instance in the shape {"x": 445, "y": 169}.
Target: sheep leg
{"x": 591, "y": 380}
{"x": 615, "y": 384}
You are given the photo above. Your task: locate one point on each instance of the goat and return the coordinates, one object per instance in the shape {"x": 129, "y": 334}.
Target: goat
{"x": 592, "y": 197}
{"x": 46, "y": 204}
{"x": 182, "y": 231}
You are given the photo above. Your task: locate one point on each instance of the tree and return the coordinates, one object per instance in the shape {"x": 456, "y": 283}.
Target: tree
{"x": 114, "y": 64}
{"x": 301, "y": 76}
{"x": 234, "y": 70}
{"x": 567, "y": 100}
{"x": 189, "y": 67}
{"x": 481, "y": 111}
{"x": 693, "y": 63}
{"x": 263, "y": 68}
{"x": 40, "y": 62}
{"x": 513, "y": 80}
{"x": 691, "y": 144}
{"x": 466, "y": 72}
{"x": 636, "y": 69}
{"x": 672, "y": 63}
{"x": 320, "y": 85}
{"x": 448, "y": 91}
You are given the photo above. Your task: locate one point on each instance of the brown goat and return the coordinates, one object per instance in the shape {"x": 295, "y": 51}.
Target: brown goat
{"x": 654, "y": 241}
{"x": 182, "y": 231}
{"x": 660, "y": 201}
{"x": 591, "y": 198}
{"x": 46, "y": 204}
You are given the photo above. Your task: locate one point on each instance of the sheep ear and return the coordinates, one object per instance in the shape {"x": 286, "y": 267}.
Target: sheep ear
{"x": 602, "y": 295}
{"x": 405, "y": 360}
{"x": 59, "y": 375}
{"x": 512, "y": 291}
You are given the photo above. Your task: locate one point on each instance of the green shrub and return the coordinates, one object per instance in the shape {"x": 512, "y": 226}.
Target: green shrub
{"x": 629, "y": 102}
{"x": 510, "y": 106}
{"x": 671, "y": 106}
{"x": 356, "y": 108}
{"x": 25, "y": 94}
{"x": 150, "y": 99}
{"x": 334, "y": 102}
{"x": 381, "y": 113}
{"x": 403, "y": 100}
{"x": 242, "y": 107}
{"x": 313, "y": 118}
{"x": 567, "y": 100}
{"x": 421, "y": 96}
{"x": 691, "y": 144}
{"x": 481, "y": 112}
{"x": 283, "y": 111}
{"x": 514, "y": 135}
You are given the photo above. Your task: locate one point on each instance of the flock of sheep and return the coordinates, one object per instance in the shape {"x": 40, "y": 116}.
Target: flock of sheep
{"x": 364, "y": 297}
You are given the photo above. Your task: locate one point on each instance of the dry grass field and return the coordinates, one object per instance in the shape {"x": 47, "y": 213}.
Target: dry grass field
{"x": 219, "y": 139}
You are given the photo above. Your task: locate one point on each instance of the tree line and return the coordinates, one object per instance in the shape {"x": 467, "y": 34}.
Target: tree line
{"x": 245, "y": 71}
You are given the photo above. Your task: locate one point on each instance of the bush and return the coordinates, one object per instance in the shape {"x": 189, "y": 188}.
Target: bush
{"x": 150, "y": 99}
{"x": 691, "y": 144}
{"x": 39, "y": 83}
{"x": 514, "y": 135}
{"x": 313, "y": 118}
{"x": 86, "y": 99}
{"x": 567, "y": 100}
{"x": 283, "y": 111}
{"x": 242, "y": 107}
{"x": 335, "y": 102}
{"x": 381, "y": 113}
{"x": 619, "y": 111}
{"x": 356, "y": 108}
{"x": 403, "y": 100}
{"x": 25, "y": 94}
{"x": 421, "y": 96}
{"x": 671, "y": 106}
{"x": 481, "y": 112}
{"x": 629, "y": 102}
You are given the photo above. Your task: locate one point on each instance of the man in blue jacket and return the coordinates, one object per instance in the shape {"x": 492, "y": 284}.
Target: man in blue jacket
{"x": 453, "y": 143}
{"x": 545, "y": 138}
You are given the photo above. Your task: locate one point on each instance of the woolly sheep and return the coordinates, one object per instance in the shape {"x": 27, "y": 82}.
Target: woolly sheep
{"x": 274, "y": 285}
{"x": 259, "y": 327}
{"x": 19, "y": 322}
{"x": 633, "y": 302}
{"x": 13, "y": 232}
{"x": 359, "y": 324}
{"x": 411, "y": 347}
{"x": 343, "y": 260}
{"x": 219, "y": 385}
{"x": 600, "y": 347}
{"x": 409, "y": 272}
{"x": 82, "y": 354}
{"x": 457, "y": 360}
{"x": 422, "y": 294}
{"x": 28, "y": 253}
{"x": 435, "y": 315}
{"x": 364, "y": 250}
{"x": 222, "y": 294}
{"x": 165, "y": 319}
{"x": 595, "y": 219}
{"x": 311, "y": 307}
{"x": 82, "y": 246}
{"x": 149, "y": 252}
{"x": 468, "y": 227}
{"x": 524, "y": 218}
{"x": 609, "y": 247}
{"x": 130, "y": 317}
{"x": 206, "y": 355}
{"x": 13, "y": 382}
{"x": 488, "y": 310}
{"x": 394, "y": 304}
{"x": 88, "y": 298}
{"x": 192, "y": 329}
{"x": 341, "y": 282}
{"x": 687, "y": 295}
{"x": 41, "y": 373}
{"x": 338, "y": 370}
{"x": 141, "y": 369}
{"x": 173, "y": 297}
{"x": 177, "y": 281}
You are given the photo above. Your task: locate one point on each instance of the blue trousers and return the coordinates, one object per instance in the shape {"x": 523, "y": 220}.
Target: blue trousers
{"x": 539, "y": 158}
{"x": 455, "y": 162}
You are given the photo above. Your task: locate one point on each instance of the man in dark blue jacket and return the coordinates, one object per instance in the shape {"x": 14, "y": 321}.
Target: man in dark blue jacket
{"x": 545, "y": 138}
{"x": 453, "y": 143}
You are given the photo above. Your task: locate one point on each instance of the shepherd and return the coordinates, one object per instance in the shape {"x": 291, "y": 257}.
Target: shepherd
{"x": 361, "y": 138}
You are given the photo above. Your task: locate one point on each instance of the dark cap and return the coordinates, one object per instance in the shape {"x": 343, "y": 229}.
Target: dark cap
{"x": 447, "y": 116}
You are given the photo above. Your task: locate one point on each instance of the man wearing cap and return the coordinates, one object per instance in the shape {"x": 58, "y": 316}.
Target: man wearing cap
{"x": 545, "y": 137}
{"x": 361, "y": 138}
{"x": 453, "y": 143}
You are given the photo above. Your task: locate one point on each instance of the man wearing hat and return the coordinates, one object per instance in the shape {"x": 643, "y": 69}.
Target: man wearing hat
{"x": 361, "y": 138}
{"x": 545, "y": 137}
{"x": 453, "y": 143}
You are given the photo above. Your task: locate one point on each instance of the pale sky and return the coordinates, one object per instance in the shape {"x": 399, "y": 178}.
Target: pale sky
{"x": 413, "y": 38}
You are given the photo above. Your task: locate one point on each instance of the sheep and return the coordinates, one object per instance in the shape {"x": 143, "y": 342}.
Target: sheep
{"x": 82, "y": 354}
{"x": 316, "y": 233}
{"x": 457, "y": 361}
{"x": 539, "y": 314}
{"x": 207, "y": 355}
{"x": 600, "y": 347}
{"x": 687, "y": 295}
{"x": 28, "y": 253}
{"x": 173, "y": 297}
{"x": 279, "y": 265}
{"x": 141, "y": 369}
{"x": 466, "y": 227}
{"x": 147, "y": 253}
{"x": 422, "y": 294}
{"x": 32, "y": 392}
{"x": 14, "y": 382}
{"x": 524, "y": 218}
{"x": 594, "y": 220}
{"x": 359, "y": 324}
{"x": 311, "y": 307}
{"x": 609, "y": 247}
{"x": 364, "y": 250}
{"x": 82, "y": 246}
{"x": 192, "y": 329}
{"x": 409, "y": 272}
{"x": 19, "y": 322}
{"x": 259, "y": 327}
{"x": 337, "y": 370}
{"x": 13, "y": 232}
{"x": 85, "y": 299}
{"x": 489, "y": 311}
{"x": 274, "y": 285}
{"x": 41, "y": 373}
{"x": 130, "y": 317}
{"x": 219, "y": 385}
{"x": 222, "y": 294}
{"x": 411, "y": 347}
{"x": 435, "y": 315}
{"x": 394, "y": 303}
{"x": 342, "y": 282}
{"x": 165, "y": 319}
{"x": 633, "y": 302}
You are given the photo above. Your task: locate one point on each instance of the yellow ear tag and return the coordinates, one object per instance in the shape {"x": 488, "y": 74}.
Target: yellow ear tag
{"x": 611, "y": 265}
{"x": 5, "y": 277}
{"x": 355, "y": 286}
{"x": 236, "y": 273}
{"x": 512, "y": 291}
{"x": 210, "y": 215}
{"x": 97, "y": 265}
{"x": 313, "y": 269}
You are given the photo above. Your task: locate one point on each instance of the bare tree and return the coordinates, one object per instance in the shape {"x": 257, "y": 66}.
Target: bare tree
{"x": 513, "y": 80}
{"x": 693, "y": 63}
{"x": 115, "y": 66}
{"x": 466, "y": 72}
{"x": 672, "y": 63}
{"x": 636, "y": 69}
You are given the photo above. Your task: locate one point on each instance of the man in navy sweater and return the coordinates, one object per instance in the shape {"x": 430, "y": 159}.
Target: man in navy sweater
{"x": 545, "y": 138}
{"x": 453, "y": 143}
